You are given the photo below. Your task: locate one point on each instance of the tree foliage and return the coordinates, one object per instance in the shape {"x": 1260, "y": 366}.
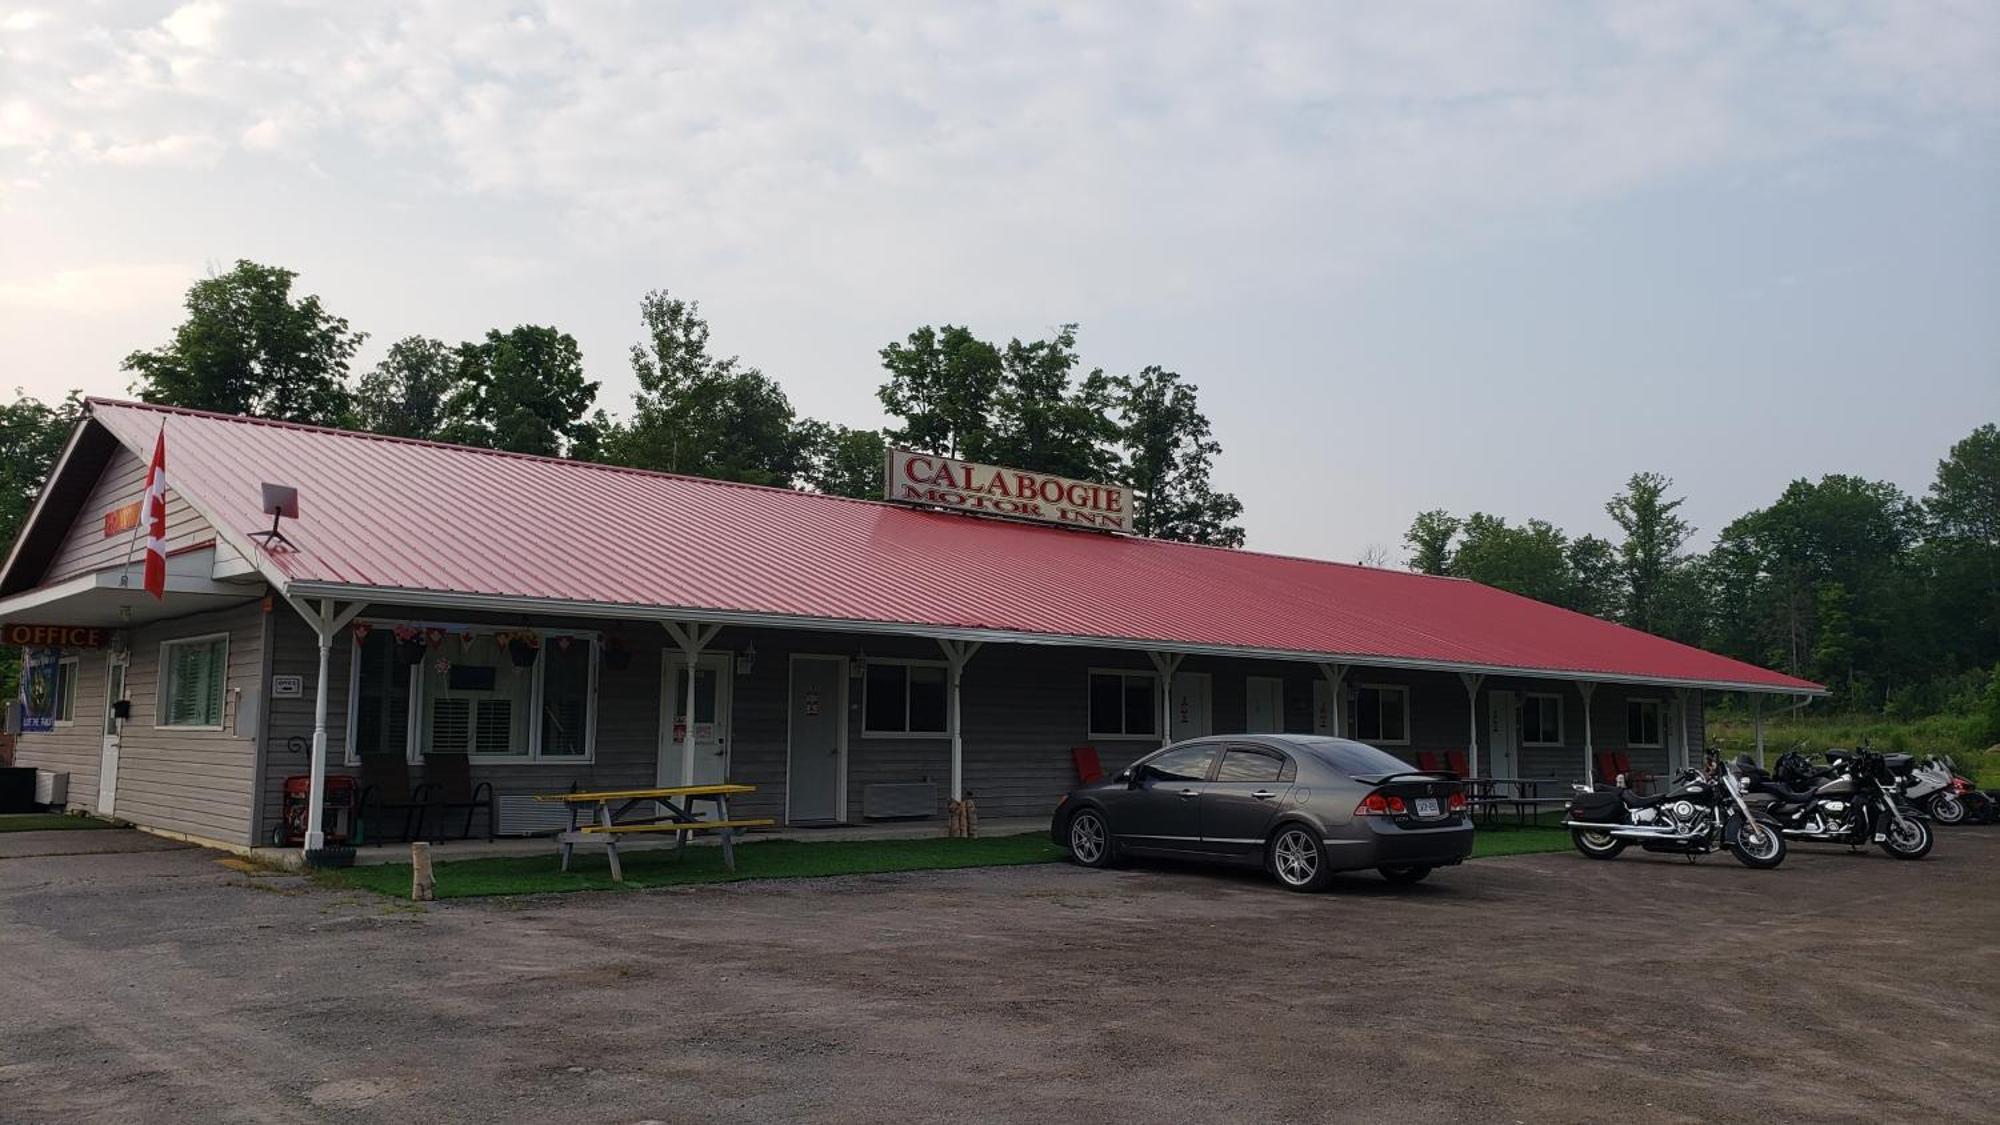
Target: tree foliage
{"x": 842, "y": 461}
{"x": 408, "y": 392}
{"x": 32, "y": 435}
{"x": 1430, "y": 538}
{"x": 523, "y": 390}
{"x": 942, "y": 384}
{"x": 1169, "y": 452}
{"x": 248, "y": 346}
{"x": 700, "y": 414}
{"x": 1049, "y": 419}
{"x": 1650, "y": 551}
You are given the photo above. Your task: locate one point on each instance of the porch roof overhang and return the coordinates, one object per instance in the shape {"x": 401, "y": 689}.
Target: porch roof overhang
{"x": 117, "y": 599}
{"x": 377, "y": 596}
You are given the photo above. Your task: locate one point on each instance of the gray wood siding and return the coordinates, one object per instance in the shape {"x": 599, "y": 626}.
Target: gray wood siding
{"x": 76, "y": 749}
{"x": 199, "y": 782}
{"x": 88, "y": 549}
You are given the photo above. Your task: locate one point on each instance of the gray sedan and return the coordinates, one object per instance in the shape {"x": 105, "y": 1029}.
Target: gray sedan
{"x": 1300, "y": 806}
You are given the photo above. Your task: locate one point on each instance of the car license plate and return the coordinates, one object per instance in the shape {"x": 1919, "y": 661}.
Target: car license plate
{"x": 1427, "y": 806}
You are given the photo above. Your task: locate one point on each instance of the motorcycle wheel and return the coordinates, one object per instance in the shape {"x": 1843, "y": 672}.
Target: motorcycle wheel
{"x": 1597, "y": 845}
{"x": 1764, "y": 849}
{"x": 1907, "y": 839}
{"x": 1946, "y": 808}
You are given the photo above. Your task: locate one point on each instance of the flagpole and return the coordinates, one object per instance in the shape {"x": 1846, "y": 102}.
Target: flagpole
{"x": 132, "y": 540}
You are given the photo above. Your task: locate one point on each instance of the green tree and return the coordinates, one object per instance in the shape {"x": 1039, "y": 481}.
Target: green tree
{"x": 1964, "y": 514}
{"x": 523, "y": 390}
{"x": 1045, "y": 418}
{"x": 32, "y": 436}
{"x": 1430, "y": 539}
{"x": 406, "y": 395}
{"x": 249, "y": 347}
{"x": 1834, "y": 643}
{"x": 695, "y": 413}
{"x": 1596, "y": 578}
{"x": 942, "y": 384}
{"x": 1531, "y": 559}
{"x": 1169, "y": 452}
{"x": 1654, "y": 534}
{"x": 840, "y": 461}
{"x": 1990, "y": 708}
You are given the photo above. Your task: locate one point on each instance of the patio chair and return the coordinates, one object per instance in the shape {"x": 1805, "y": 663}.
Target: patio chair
{"x": 1611, "y": 764}
{"x": 1427, "y": 760}
{"x": 448, "y": 789}
{"x": 1454, "y": 760}
{"x": 1088, "y": 768}
{"x": 385, "y": 793}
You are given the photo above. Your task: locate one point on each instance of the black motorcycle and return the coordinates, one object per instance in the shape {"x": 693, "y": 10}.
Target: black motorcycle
{"x": 1704, "y": 809}
{"x": 1855, "y": 799}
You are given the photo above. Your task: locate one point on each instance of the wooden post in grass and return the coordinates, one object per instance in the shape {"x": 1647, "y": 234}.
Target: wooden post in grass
{"x": 962, "y": 822}
{"x": 423, "y": 887}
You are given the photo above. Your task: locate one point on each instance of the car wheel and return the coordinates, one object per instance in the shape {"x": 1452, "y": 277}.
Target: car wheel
{"x": 1405, "y": 874}
{"x": 1298, "y": 858}
{"x": 1090, "y": 839}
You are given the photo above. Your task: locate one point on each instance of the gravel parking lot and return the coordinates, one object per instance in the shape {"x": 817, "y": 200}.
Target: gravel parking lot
{"x": 156, "y": 984}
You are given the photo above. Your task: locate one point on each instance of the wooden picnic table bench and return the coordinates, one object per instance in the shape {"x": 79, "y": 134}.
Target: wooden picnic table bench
{"x": 604, "y": 815}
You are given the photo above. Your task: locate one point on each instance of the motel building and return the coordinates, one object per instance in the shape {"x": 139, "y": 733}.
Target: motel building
{"x": 539, "y": 625}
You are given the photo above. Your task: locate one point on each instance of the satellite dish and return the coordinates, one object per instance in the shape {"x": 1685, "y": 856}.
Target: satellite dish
{"x": 281, "y": 502}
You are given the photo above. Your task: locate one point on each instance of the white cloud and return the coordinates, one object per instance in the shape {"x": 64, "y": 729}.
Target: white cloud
{"x": 99, "y": 288}
{"x": 193, "y": 25}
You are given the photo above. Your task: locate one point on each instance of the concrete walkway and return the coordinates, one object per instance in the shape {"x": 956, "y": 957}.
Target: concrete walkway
{"x": 449, "y": 850}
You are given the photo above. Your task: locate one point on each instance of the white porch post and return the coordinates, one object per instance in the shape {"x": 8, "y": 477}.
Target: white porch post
{"x": 1472, "y": 683}
{"x": 1757, "y": 709}
{"x": 956, "y": 653}
{"x": 1681, "y": 704}
{"x": 1336, "y": 685}
{"x": 692, "y": 637}
{"x": 1166, "y": 664}
{"x": 1587, "y": 689}
{"x": 326, "y": 622}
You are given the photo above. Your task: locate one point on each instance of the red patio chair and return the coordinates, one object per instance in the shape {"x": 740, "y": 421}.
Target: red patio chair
{"x": 1088, "y": 768}
{"x": 1634, "y": 780}
{"x": 1428, "y": 761}
{"x": 1454, "y": 760}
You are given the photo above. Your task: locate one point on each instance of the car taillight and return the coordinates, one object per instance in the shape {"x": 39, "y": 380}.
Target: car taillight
{"x": 1457, "y": 802}
{"x": 1380, "y": 804}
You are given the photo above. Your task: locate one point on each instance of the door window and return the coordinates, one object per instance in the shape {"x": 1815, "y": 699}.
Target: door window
{"x": 1242, "y": 763}
{"x": 114, "y": 691}
{"x": 1186, "y": 763}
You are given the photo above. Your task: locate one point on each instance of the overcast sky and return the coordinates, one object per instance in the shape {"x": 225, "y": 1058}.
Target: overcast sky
{"x": 1471, "y": 256}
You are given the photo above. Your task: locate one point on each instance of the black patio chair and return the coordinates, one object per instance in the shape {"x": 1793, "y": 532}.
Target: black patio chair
{"x": 448, "y": 790}
{"x": 386, "y": 793}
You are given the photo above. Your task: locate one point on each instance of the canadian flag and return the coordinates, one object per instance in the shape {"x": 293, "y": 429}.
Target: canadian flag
{"x": 156, "y": 519}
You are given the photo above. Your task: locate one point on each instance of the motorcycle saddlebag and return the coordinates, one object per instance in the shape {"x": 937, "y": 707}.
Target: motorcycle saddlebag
{"x": 1603, "y": 806}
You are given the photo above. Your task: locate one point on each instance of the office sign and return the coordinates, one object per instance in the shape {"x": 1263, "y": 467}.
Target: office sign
{"x": 968, "y": 486}
{"x": 51, "y": 636}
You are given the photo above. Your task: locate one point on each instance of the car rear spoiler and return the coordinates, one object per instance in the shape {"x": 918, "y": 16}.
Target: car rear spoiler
{"x": 1427, "y": 775}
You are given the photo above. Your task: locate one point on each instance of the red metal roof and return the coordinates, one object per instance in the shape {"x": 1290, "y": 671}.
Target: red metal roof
{"x": 393, "y": 513}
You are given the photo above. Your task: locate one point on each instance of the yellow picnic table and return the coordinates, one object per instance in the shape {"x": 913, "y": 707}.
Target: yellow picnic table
{"x": 604, "y": 818}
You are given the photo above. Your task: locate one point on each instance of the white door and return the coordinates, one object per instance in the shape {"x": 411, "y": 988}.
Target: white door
{"x": 107, "y": 766}
{"x": 1192, "y": 706}
{"x": 1503, "y": 734}
{"x": 711, "y": 719}
{"x": 1264, "y": 705}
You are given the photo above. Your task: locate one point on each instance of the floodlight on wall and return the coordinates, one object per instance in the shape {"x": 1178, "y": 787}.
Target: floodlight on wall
{"x": 281, "y": 502}
{"x": 747, "y": 659}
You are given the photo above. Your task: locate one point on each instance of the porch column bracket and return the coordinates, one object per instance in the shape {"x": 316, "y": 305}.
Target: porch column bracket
{"x": 1336, "y": 679}
{"x": 692, "y": 637}
{"x": 326, "y": 620}
{"x": 1472, "y": 682}
{"x": 956, "y": 653}
{"x": 1586, "y": 689}
{"x": 1166, "y": 664}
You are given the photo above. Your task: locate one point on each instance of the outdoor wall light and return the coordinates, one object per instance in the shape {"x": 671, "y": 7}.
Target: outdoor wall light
{"x": 747, "y": 659}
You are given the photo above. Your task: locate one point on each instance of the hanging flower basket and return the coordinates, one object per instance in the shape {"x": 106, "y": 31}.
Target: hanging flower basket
{"x": 409, "y": 645}
{"x": 524, "y": 646}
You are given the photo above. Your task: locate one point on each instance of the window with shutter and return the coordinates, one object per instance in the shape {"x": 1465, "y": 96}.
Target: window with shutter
{"x": 195, "y": 673}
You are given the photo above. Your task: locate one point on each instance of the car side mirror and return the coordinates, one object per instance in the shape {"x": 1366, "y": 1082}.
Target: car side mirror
{"x": 1129, "y": 776}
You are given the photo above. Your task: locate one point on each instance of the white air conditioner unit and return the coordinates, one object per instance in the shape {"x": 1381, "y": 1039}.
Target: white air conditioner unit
{"x": 51, "y": 788}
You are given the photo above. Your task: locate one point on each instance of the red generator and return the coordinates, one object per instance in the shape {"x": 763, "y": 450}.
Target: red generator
{"x": 338, "y": 818}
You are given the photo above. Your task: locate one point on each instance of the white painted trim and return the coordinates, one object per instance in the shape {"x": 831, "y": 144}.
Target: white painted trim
{"x": 1562, "y": 722}
{"x": 66, "y": 681}
{"x": 673, "y": 684}
{"x": 840, "y": 794}
{"x": 162, "y": 689}
{"x": 1129, "y": 673}
{"x": 1355, "y": 695}
{"x": 634, "y": 612}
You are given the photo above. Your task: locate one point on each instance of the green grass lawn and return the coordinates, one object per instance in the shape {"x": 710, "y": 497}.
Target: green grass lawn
{"x": 45, "y": 822}
{"x": 777, "y": 859}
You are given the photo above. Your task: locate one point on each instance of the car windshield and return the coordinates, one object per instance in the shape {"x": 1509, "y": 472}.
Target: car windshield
{"x": 1355, "y": 759}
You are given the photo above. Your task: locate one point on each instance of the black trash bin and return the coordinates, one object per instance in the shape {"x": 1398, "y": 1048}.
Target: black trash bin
{"x": 17, "y": 789}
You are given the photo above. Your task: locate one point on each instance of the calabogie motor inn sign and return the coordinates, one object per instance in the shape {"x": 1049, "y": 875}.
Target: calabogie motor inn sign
{"x": 968, "y": 486}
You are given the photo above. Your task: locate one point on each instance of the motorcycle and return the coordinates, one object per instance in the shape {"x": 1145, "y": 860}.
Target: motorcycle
{"x": 1703, "y": 809}
{"x": 1856, "y": 799}
{"x": 1950, "y": 798}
